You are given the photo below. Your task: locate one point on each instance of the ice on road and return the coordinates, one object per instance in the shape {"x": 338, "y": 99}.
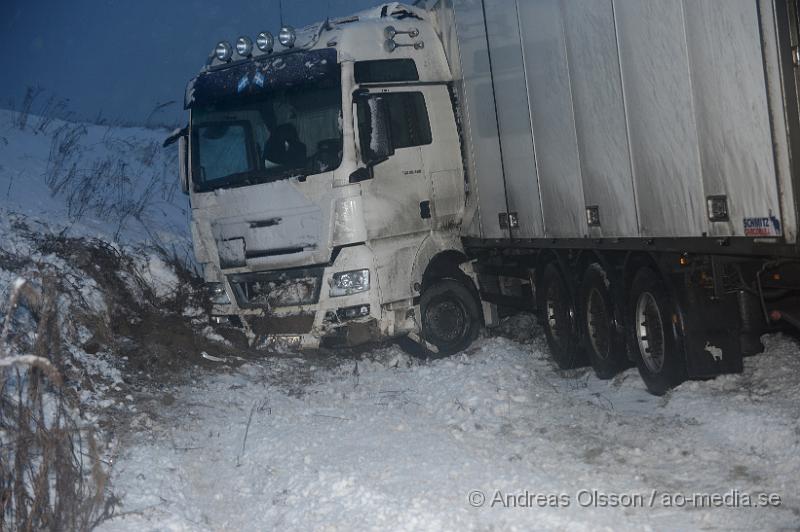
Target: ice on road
{"x": 388, "y": 442}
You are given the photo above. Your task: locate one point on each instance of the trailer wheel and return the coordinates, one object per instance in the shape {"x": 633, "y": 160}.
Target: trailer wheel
{"x": 451, "y": 317}
{"x": 557, "y": 314}
{"x": 655, "y": 334}
{"x": 602, "y": 324}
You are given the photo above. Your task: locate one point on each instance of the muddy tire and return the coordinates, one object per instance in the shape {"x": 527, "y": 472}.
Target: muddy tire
{"x": 558, "y": 317}
{"x": 601, "y": 325}
{"x": 655, "y": 335}
{"x": 451, "y": 316}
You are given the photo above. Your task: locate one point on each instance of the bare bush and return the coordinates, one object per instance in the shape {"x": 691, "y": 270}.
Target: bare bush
{"x": 148, "y": 152}
{"x": 45, "y": 114}
{"x": 120, "y": 178}
{"x": 53, "y": 108}
{"x": 65, "y": 150}
{"x": 103, "y": 185}
{"x": 150, "y": 121}
{"x": 24, "y": 112}
{"x": 51, "y": 477}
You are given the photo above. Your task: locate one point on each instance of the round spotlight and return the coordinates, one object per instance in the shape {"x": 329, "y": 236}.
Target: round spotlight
{"x": 265, "y": 41}
{"x": 244, "y": 46}
{"x": 287, "y": 36}
{"x": 223, "y": 51}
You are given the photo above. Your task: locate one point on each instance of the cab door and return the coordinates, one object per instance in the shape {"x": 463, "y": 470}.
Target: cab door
{"x": 397, "y": 191}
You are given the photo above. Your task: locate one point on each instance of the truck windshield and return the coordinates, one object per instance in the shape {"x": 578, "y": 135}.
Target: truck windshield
{"x": 284, "y": 133}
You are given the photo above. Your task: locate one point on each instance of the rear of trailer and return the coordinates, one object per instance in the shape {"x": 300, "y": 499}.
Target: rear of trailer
{"x": 632, "y": 170}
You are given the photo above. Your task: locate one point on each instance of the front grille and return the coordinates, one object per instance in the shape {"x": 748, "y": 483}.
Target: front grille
{"x": 294, "y": 324}
{"x": 284, "y": 288}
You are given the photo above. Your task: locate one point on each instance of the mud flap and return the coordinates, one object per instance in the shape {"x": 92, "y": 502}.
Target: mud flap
{"x": 713, "y": 330}
{"x": 491, "y": 315}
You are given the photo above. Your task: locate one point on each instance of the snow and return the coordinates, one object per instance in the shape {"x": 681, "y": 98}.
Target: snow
{"x": 91, "y": 180}
{"x": 158, "y": 275}
{"x": 106, "y": 184}
{"x": 211, "y": 334}
{"x": 392, "y": 9}
{"x": 378, "y": 137}
{"x": 387, "y": 442}
{"x": 121, "y": 167}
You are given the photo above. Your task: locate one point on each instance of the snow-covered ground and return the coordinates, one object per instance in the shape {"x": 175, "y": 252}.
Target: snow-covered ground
{"x": 86, "y": 180}
{"x": 386, "y": 442}
{"x": 494, "y": 438}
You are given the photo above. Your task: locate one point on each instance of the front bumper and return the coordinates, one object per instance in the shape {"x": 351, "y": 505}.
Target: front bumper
{"x": 293, "y": 309}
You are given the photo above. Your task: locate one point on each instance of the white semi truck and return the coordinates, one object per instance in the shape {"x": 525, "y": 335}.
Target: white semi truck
{"x": 626, "y": 168}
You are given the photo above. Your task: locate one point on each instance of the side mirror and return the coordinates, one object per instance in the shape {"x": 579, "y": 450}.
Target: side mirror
{"x": 374, "y": 129}
{"x": 181, "y": 136}
{"x": 175, "y": 135}
{"x": 183, "y": 162}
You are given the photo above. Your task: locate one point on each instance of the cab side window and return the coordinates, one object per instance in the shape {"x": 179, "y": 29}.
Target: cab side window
{"x": 391, "y": 121}
{"x": 408, "y": 119}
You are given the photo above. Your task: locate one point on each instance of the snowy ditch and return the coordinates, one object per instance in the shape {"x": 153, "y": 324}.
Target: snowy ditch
{"x": 495, "y": 438}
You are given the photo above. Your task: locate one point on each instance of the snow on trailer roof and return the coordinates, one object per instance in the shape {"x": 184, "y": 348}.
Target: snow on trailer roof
{"x": 361, "y": 36}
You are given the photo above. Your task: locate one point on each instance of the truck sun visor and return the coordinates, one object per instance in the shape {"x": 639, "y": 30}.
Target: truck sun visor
{"x": 263, "y": 75}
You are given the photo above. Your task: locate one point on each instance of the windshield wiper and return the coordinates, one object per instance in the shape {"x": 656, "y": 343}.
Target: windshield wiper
{"x": 245, "y": 179}
{"x": 288, "y": 174}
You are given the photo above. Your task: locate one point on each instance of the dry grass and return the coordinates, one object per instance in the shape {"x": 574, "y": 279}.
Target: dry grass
{"x": 102, "y": 186}
{"x": 51, "y": 477}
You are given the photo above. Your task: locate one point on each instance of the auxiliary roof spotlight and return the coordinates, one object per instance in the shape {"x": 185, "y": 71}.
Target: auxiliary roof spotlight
{"x": 223, "y": 51}
{"x": 244, "y": 46}
{"x": 287, "y": 36}
{"x": 265, "y": 41}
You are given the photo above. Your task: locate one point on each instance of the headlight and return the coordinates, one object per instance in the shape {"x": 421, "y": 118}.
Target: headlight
{"x": 287, "y": 36}
{"x": 223, "y": 51}
{"x": 352, "y": 282}
{"x": 265, "y": 41}
{"x": 244, "y": 46}
{"x": 217, "y": 294}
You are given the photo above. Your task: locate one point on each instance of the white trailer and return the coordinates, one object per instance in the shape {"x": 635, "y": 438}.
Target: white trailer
{"x": 635, "y": 170}
{"x": 627, "y": 168}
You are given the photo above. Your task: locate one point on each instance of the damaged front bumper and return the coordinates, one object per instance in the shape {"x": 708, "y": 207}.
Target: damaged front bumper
{"x": 294, "y": 309}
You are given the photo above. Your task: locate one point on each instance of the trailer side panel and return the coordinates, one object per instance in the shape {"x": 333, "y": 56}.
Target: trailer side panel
{"x": 550, "y": 97}
{"x": 730, "y": 104}
{"x": 600, "y": 118}
{"x": 473, "y": 83}
{"x": 514, "y": 119}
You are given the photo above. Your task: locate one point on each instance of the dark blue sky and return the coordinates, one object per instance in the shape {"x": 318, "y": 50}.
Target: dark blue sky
{"x": 122, "y": 57}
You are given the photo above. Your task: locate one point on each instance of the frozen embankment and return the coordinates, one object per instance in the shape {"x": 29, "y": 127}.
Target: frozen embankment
{"x": 91, "y": 230}
{"x": 386, "y": 442}
{"x": 88, "y": 180}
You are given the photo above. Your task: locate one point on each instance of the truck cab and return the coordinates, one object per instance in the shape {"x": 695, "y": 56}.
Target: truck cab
{"x": 327, "y": 186}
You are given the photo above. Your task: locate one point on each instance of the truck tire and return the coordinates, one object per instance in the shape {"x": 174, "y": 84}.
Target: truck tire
{"x": 656, "y": 341}
{"x": 451, "y": 316}
{"x": 601, "y": 322}
{"x": 557, "y": 314}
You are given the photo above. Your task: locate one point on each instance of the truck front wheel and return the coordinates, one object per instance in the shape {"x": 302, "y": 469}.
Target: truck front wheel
{"x": 451, "y": 316}
{"x": 655, "y": 333}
